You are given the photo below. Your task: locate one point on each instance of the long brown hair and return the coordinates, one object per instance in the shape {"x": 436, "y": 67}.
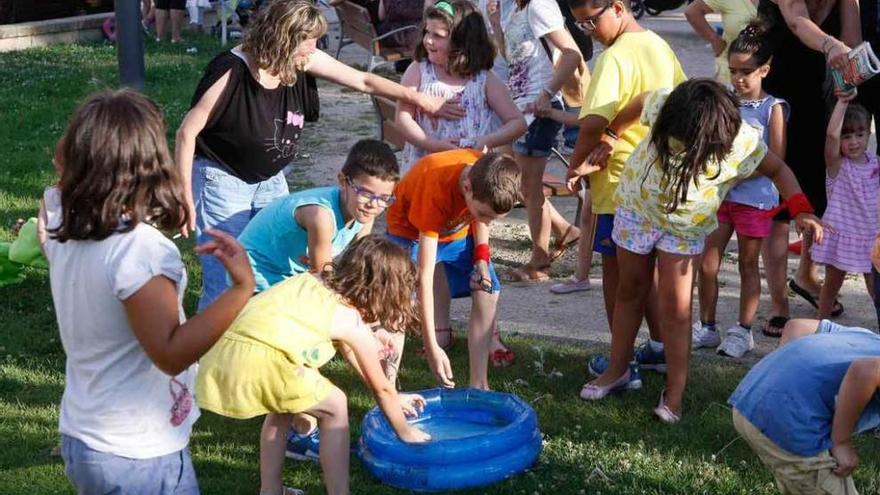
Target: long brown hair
{"x": 275, "y": 33}
{"x": 116, "y": 170}
{"x": 377, "y": 277}
{"x": 703, "y": 117}
{"x": 470, "y": 49}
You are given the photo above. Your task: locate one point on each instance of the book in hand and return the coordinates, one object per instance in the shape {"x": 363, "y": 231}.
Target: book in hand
{"x": 862, "y": 65}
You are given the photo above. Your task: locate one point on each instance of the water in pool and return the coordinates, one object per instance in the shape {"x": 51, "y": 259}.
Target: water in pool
{"x": 453, "y": 427}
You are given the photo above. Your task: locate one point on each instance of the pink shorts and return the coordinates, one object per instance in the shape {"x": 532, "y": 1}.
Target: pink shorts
{"x": 746, "y": 220}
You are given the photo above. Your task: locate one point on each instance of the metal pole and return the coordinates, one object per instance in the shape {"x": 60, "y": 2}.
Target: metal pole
{"x": 129, "y": 43}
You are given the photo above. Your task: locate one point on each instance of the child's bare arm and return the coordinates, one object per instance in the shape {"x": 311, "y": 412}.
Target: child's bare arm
{"x": 859, "y": 385}
{"x": 832, "y": 135}
{"x": 153, "y": 314}
{"x": 778, "y": 132}
{"x": 318, "y": 224}
{"x": 590, "y": 134}
{"x": 437, "y": 358}
{"x": 405, "y": 113}
{"x": 513, "y": 122}
{"x": 786, "y": 183}
{"x": 565, "y": 118}
{"x": 354, "y": 334}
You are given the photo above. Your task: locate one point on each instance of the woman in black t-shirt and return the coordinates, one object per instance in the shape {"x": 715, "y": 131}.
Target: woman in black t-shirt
{"x": 246, "y": 117}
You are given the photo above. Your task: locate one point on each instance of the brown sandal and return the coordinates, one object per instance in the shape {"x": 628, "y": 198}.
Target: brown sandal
{"x": 560, "y": 247}
{"x": 527, "y": 274}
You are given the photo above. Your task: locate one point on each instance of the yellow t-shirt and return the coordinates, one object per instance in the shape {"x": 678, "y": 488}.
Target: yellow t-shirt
{"x": 735, "y": 14}
{"x": 633, "y": 64}
{"x": 642, "y": 190}
{"x": 268, "y": 359}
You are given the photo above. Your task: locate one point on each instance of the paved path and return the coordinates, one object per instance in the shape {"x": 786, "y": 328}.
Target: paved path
{"x": 533, "y": 309}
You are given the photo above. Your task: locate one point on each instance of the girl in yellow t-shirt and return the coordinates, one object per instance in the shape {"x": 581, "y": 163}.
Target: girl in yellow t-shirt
{"x": 668, "y": 198}
{"x": 268, "y": 360}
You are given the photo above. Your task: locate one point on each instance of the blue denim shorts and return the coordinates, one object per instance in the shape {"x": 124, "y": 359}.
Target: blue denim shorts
{"x": 457, "y": 260}
{"x": 540, "y": 137}
{"x": 91, "y": 471}
{"x": 570, "y": 133}
{"x": 225, "y": 202}
{"x": 603, "y": 243}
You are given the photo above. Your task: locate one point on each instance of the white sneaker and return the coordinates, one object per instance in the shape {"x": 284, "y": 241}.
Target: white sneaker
{"x": 571, "y": 285}
{"x": 703, "y": 337}
{"x": 737, "y": 342}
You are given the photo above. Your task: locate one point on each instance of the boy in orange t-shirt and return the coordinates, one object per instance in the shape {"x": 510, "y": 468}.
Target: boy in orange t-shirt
{"x": 442, "y": 213}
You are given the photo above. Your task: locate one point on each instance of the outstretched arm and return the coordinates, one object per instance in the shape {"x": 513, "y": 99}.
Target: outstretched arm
{"x": 832, "y": 134}
{"x": 326, "y": 67}
{"x": 859, "y": 386}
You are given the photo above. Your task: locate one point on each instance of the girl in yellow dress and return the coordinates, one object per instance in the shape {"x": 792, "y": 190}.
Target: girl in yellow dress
{"x": 268, "y": 360}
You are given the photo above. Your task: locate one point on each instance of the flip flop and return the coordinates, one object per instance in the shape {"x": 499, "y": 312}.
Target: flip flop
{"x": 560, "y": 247}
{"x": 776, "y": 322}
{"x": 527, "y": 274}
{"x": 811, "y": 299}
{"x": 501, "y": 357}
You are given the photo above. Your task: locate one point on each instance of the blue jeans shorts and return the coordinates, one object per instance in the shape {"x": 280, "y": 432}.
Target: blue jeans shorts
{"x": 603, "y": 243}
{"x": 570, "y": 133}
{"x": 540, "y": 137}
{"x": 457, "y": 260}
{"x": 225, "y": 202}
{"x": 91, "y": 471}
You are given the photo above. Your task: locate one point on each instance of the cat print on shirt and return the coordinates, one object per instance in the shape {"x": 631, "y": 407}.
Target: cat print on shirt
{"x": 286, "y": 145}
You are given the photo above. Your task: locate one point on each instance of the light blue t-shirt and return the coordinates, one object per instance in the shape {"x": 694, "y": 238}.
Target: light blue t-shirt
{"x": 758, "y": 192}
{"x": 278, "y": 247}
{"x": 790, "y": 395}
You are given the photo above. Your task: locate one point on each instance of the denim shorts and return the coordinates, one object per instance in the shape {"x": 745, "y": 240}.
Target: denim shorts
{"x": 570, "y": 134}
{"x": 540, "y": 137}
{"x": 603, "y": 243}
{"x": 225, "y": 202}
{"x": 457, "y": 260}
{"x": 91, "y": 471}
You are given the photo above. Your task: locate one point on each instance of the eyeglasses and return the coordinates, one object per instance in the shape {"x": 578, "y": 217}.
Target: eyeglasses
{"x": 745, "y": 71}
{"x": 366, "y": 197}
{"x": 589, "y": 24}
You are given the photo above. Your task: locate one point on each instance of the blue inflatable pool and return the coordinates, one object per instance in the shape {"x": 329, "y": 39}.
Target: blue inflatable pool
{"x": 478, "y": 438}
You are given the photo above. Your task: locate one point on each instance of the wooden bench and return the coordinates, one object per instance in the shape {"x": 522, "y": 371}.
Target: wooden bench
{"x": 385, "y": 109}
{"x": 356, "y": 27}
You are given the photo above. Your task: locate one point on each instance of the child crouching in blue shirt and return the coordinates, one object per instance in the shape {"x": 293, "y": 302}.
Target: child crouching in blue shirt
{"x": 800, "y": 406}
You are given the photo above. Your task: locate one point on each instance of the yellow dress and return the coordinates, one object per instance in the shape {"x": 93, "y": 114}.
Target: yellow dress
{"x": 268, "y": 359}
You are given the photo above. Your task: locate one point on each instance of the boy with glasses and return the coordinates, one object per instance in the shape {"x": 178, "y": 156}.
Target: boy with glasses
{"x": 304, "y": 231}
{"x": 635, "y": 60}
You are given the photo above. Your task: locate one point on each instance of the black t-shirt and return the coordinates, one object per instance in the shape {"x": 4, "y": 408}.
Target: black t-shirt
{"x": 253, "y": 131}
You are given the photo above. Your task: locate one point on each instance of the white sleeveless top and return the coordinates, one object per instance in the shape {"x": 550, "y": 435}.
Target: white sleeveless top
{"x": 479, "y": 119}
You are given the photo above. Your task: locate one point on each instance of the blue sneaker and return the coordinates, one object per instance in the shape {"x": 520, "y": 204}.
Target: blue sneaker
{"x": 649, "y": 359}
{"x": 303, "y": 447}
{"x": 644, "y": 355}
{"x": 597, "y": 364}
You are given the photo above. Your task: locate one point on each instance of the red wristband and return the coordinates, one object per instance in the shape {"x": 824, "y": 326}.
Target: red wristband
{"x": 798, "y": 204}
{"x": 481, "y": 252}
{"x": 795, "y": 205}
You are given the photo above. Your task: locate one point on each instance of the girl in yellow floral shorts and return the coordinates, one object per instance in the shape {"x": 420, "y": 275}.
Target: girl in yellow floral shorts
{"x": 268, "y": 360}
{"x": 667, "y": 203}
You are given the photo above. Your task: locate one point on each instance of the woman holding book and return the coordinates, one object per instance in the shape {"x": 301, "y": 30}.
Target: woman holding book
{"x": 808, "y": 36}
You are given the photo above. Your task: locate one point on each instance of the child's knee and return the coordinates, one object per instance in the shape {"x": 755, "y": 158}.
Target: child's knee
{"x": 335, "y": 405}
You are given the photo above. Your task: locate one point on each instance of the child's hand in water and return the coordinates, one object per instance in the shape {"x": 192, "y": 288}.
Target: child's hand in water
{"x": 807, "y": 222}
{"x": 414, "y": 435}
{"x": 232, "y": 255}
{"x": 412, "y": 404}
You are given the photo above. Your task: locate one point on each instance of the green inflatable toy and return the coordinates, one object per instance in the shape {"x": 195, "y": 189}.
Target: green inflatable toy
{"x": 23, "y": 251}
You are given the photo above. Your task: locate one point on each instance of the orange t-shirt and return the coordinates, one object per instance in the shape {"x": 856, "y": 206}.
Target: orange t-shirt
{"x": 429, "y": 198}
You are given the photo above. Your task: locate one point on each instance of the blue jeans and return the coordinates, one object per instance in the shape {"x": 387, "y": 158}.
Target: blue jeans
{"x": 91, "y": 471}
{"x": 225, "y": 202}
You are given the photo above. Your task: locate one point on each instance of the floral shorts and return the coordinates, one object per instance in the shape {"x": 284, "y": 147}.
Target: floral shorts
{"x": 639, "y": 235}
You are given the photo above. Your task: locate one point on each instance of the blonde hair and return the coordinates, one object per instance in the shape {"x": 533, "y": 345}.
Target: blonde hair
{"x": 277, "y": 31}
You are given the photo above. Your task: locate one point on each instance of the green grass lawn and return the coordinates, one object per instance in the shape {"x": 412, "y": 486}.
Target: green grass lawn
{"x": 614, "y": 446}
